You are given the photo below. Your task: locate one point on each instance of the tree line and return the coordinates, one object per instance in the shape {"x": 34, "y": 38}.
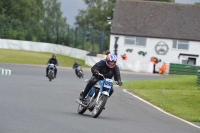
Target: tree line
{"x": 34, "y": 20}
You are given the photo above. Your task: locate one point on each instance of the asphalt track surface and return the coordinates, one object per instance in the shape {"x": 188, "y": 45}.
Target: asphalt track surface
{"x": 29, "y": 103}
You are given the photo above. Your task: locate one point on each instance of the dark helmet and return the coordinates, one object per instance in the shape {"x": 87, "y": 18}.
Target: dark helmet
{"x": 53, "y": 55}
{"x": 75, "y": 62}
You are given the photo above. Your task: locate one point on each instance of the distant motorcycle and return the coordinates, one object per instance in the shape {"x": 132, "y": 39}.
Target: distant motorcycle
{"x": 96, "y": 98}
{"x": 51, "y": 72}
{"x": 80, "y": 72}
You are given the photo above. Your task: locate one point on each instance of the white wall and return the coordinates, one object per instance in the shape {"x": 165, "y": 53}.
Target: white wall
{"x": 171, "y": 56}
{"x": 43, "y": 47}
{"x": 137, "y": 66}
{"x": 187, "y": 1}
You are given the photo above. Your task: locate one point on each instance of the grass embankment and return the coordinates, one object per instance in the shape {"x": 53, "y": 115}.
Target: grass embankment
{"x": 179, "y": 95}
{"x": 37, "y": 58}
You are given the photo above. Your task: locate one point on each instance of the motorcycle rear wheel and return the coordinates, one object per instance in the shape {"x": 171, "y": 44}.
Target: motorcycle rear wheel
{"x": 81, "y": 109}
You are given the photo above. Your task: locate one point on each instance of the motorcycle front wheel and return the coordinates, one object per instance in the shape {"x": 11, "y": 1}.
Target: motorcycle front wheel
{"x": 99, "y": 106}
{"x": 50, "y": 75}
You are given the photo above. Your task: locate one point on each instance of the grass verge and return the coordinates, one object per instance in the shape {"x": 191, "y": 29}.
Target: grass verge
{"x": 36, "y": 58}
{"x": 179, "y": 95}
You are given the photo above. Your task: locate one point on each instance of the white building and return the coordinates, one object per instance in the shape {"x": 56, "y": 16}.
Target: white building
{"x": 168, "y": 31}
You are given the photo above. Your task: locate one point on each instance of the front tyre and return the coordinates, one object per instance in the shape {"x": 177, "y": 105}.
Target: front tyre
{"x": 50, "y": 75}
{"x": 99, "y": 106}
{"x": 81, "y": 109}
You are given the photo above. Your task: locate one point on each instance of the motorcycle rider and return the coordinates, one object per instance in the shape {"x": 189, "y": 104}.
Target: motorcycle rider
{"x": 106, "y": 67}
{"x": 54, "y": 61}
{"x": 75, "y": 66}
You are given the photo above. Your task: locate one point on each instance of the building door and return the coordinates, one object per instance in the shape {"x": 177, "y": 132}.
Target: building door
{"x": 191, "y": 61}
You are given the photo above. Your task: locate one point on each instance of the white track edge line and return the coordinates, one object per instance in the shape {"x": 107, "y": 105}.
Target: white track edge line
{"x": 161, "y": 109}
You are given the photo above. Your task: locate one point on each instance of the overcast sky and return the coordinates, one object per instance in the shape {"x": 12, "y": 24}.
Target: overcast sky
{"x": 70, "y": 8}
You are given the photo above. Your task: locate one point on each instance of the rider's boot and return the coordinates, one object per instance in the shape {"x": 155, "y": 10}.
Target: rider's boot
{"x": 46, "y": 72}
{"x": 81, "y": 96}
{"x": 55, "y": 73}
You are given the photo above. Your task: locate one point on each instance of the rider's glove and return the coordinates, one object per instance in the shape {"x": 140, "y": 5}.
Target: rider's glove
{"x": 119, "y": 83}
{"x": 96, "y": 71}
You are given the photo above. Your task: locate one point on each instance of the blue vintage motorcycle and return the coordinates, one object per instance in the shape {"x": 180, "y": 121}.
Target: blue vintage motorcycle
{"x": 96, "y": 98}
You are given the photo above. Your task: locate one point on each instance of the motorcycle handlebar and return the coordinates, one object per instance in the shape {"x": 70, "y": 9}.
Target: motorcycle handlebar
{"x": 100, "y": 75}
{"x": 105, "y": 78}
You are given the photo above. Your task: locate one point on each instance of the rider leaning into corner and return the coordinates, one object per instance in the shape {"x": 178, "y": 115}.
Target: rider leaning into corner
{"x": 106, "y": 67}
{"x": 75, "y": 66}
{"x": 54, "y": 61}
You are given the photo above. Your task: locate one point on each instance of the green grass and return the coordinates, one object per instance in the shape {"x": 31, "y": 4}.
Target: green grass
{"x": 37, "y": 58}
{"x": 179, "y": 95}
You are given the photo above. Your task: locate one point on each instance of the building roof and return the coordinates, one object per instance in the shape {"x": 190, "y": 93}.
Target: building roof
{"x": 157, "y": 19}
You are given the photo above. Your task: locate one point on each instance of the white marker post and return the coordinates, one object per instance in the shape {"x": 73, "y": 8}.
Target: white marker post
{"x": 7, "y": 72}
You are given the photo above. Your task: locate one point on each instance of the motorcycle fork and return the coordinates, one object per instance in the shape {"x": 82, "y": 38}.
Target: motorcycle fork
{"x": 91, "y": 101}
{"x": 98, "y": 97}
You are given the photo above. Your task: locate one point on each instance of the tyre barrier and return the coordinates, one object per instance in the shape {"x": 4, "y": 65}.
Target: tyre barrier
{"x": 5, "y": 71}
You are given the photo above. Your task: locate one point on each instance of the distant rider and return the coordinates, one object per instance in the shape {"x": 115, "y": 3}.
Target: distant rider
{"x": 54, "y": 61}
{"x": 76, "y": 66}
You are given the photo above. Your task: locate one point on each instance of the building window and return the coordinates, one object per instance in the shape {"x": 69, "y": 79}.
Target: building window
{"x": 137, "y": 41}
{"x": 129, "y": 40}
{"x": 180, "y": 44}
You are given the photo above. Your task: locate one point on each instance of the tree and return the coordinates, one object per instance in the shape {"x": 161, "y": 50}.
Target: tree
{"x": 54, "y": 23}
{"x": 95, "y": 17}
{"x": 198, "y": 3}
{"x": 17, "y": 17}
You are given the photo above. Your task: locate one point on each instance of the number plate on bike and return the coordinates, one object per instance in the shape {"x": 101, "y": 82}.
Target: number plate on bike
{"x": 108, "y": 83}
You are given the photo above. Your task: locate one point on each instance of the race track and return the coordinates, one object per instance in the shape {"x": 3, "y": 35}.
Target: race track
{"x": 29, "y": 103}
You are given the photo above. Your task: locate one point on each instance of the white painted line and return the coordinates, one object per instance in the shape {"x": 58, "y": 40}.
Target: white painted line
{"x": 161, "y": 109}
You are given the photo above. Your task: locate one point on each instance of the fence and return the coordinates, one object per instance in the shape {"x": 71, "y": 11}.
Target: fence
{"x": 182, "y": 69}
{"x": 86, "y": 39}
{"x": 82, "y": 38}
